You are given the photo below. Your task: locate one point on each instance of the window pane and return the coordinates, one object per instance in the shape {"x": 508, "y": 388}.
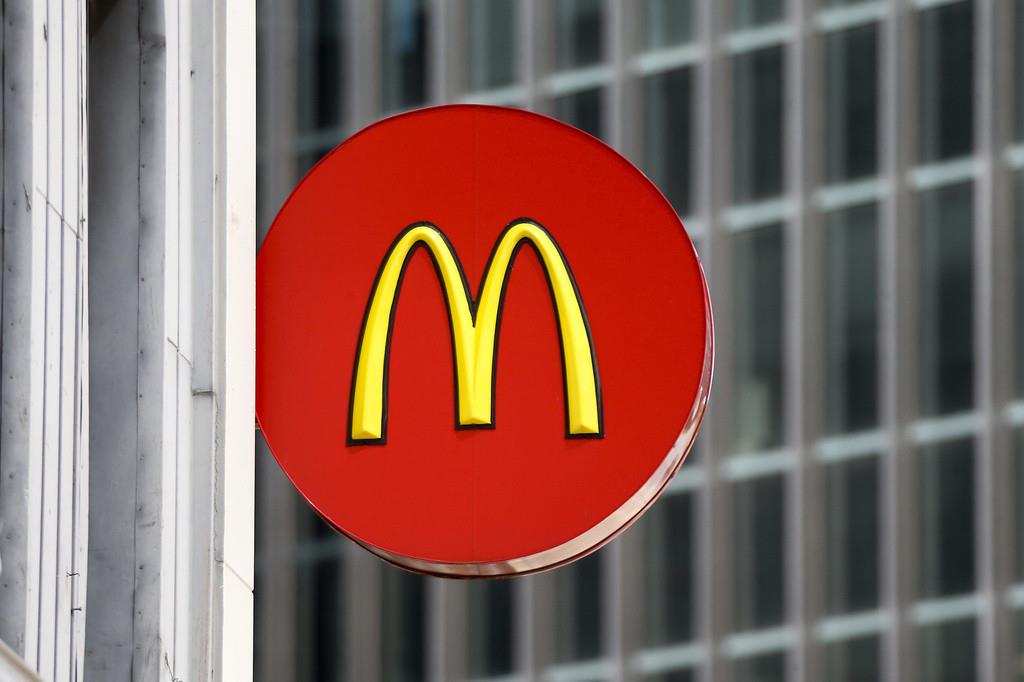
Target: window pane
{"x": 851, "y": 111}
{"x": 404, "y": 58}
{"x": 749, "y": 13}
{"x": 854, "y": 660}
{"x": 946, "y": 105}
{"x": 947, "y": 301}
{"x": 319, "y": 65}
{"x": 493, "y": 43}
{"x": 948, "y": 652}
{"x": 759, "y": 562}
{"x": 851, "y": 508}
{"x": 667, "y": 135}
{"x": 320, "y": 615}
{"x": 1018, "y": 500}
{"x": 490, "y": 627}
{"x": 667, "y": 23}
{"x": 757, "y": 124}
{"x": 579, "y": 33}
{"x": 672, "y": 676}
{"x": 758, "y": 268}
{"x": 1018, "y": 274}
{"x": 1018, "y": 16}
{"x": 403, "y": 626}
{"x": 583, "y": 110}
{"x": 766, "y": 668}
{"x": 671, "y": 547}
{"x": 947, "y": 518}
{"x": 578, "y": 610}
{"x": 851, "y": 316}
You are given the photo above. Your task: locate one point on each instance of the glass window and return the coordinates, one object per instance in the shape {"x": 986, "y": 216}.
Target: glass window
{"x": 403, "y": 626}
{"x": 764, "y": 668}
{"x": 948, "y": 652}
{"x": 851, "y": 103}
{"x": 946, "y": 105}
{"x": 579, "y": 33}
{"x": 852, "y": 531}
{"x": 1018, "y": 500}
{"x": 667, "y": 134}
{"x": 757, "y": 124}
{"x": 404, "y": 58}
{"x": 493, "y": 43}
{"x": 759, "y": 562}
{"x": 851, "y": 318}
{"x": 668, "y": 23}
{"x": 946, "y": 476}
{"x": 839, "y": 3}
{"x": 946, "y": 325}
{"x": 320, "y": 607}
{"x": 686, "y": 675}
{"x": 853, "y": 660}
{"x": 319, "y": 71}
{"x": 750, "y": 13}
{"x": 669, "y": 571}
{"x": 1018, "y": 16}
{"x": 583, "y": 110}
{"x": 578, "y": 613}
{"x": 1018, "y": 275}
{"x": 490, "y": 628}
{"x": 758, "y": 340}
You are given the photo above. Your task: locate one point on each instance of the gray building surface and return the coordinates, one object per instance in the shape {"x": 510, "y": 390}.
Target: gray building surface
{"x": 853, "y": 175}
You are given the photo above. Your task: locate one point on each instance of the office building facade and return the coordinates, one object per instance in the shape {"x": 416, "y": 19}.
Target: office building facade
{"x": 853, "y": 175}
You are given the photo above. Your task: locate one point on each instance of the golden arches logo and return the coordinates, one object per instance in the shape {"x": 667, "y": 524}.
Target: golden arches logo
{"x": 474, "y": 326}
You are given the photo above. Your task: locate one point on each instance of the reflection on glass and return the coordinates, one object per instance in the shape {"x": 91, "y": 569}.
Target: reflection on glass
{"x": 758, "y": 340}
{"x": 852, "y": 532}
{"x": 750, "y": 13}
{"x": 946, "y": 105}
{"x": 492, "y": 43}
{"x": 404, "y": 57}
{"x": 948, "y": 652}
{"x": 853, "y": 660}
{"x": 667, "y": 23}
{"x": 947, "y": 301}
{"x": 947, "y": 518}
{"x": 851, "y": 318}
{"x": 764, "y": 668}
{"x": 583, "y": 110}
{"x": 319, "y": 601}
{"x": 490, "y": 628}
{"x": 667, "y": 134}
{"x": 670, "y": 547}
{"x": 757, "y": 124}
{"x": 759, "y": 563}
{"x": 578, "y": 612}
{"x": 579, "y": 33}
{"x": 851, "y": 103}
{"x": 402, "y": 626}
{"x": 319, "y": 69}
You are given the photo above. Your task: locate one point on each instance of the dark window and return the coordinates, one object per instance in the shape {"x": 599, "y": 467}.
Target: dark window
{"x": 579, "y": 33}
{"x": 759, "y": 563}
{"x": 403, "y": 626}
{"x": 1018, "y": 278}
{"x": 671, "y": 549}
{"x": 851, "y": 541}
{"x": 490, "y": 628}
{"x": 667, "y": 134}
{"x": 404, "y": 58}
{"x": 750, "y": 13}
{"x": 583, "y": 110}
{"x": 757, "y": 124}
{"x": 949, "y": 652}
{"x": 947, "y": 518}
{"x": 946, "y": 81}
{"x": 578, "y": 613}
{"x": 319, "y": 72}
{"x": 851, "y": 103}
{"x": 493, "y": 43}
{"x": 854, "y": 660}
{"x": 764, "y": 668}
{"x": 667, "y": 23}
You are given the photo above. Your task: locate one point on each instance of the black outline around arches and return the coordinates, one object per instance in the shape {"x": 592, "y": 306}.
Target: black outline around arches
{"x": 472, "y": 302}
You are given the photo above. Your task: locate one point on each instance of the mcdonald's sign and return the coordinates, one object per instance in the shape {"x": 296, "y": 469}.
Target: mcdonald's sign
{"x": 493, "y": 430}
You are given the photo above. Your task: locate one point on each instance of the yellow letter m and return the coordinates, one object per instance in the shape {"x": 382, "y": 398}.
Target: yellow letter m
{"x": 474, "y": 326}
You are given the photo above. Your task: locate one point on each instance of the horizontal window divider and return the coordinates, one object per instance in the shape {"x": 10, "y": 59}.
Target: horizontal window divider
{"x": 946, "y": 609}
{"x": 748, "y": 40}
{"x": 935, "y": 175}
{"x": 847, "y": 194}
{"x": 940, "y": 429}
{"x": 695, "y": 227}
{"x": 745, "y": 644}
{"x": 578, "y": 80}
{"x": 1015, "y": 156}
{"x": 852, "y": 445}
{"x": 584, "y": 671}
{"x": 925, "y": 4}
{"x": 852, "y": 626}
{"x": 1014, "y": 413}
{"x": 514, "y": 677}
{"x": 312, "y": 141}
{"x": 505, "y": 96}
{"x": 669, "y": 658}
{"x": 1015, "y": 596}
{"x": 689, "y": 477}
{"x": 757, "y": 214}
{"x": 757, "y": 464}
{"x": 851, "y": 16}
{"x": 667, "y": 59}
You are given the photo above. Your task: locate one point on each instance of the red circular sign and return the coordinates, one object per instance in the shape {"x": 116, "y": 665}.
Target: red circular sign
{"x": 484, "y": 341}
